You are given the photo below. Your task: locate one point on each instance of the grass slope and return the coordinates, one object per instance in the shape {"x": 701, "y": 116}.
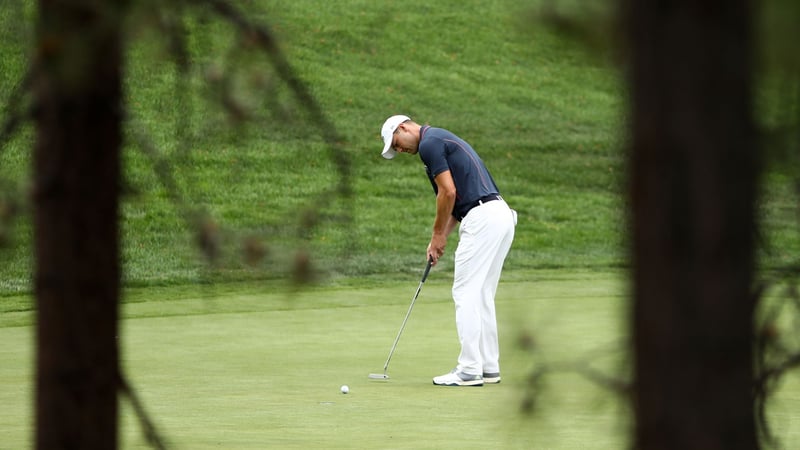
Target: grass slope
{"x": 542, "y": 115}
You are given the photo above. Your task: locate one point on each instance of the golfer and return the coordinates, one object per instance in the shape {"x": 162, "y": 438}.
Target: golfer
{"x": 465, "y": 193}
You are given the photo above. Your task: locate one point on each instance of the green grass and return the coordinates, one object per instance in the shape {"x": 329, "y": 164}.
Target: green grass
{"x": 228, "y": 355}
{"x": 543, "y": 116}
{"x": 254, "y": 369}
{"x": 254, "y": 366}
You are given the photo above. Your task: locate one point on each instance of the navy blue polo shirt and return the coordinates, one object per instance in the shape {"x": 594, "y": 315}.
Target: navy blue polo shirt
{"x": 441, "y": 150}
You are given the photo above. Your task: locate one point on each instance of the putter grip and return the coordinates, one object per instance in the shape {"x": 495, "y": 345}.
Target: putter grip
{"x": 427, "y": 270}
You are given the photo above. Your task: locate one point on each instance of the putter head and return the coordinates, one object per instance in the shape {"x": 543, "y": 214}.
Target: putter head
{"x": 379, "y": 376}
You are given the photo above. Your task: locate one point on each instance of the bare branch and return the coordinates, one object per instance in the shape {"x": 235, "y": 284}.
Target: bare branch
{"x": 207, "y": 230}
{"x": 151, "y": 434}
{"x": 580, "y": 365}
{"x": 262, "y": 38}
{"x": 774, "y": 373}
{"x": 17, "y": 116}
{"x": 162, "y": 168}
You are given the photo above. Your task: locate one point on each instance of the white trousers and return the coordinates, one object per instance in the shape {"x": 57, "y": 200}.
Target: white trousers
{"x": 485, "y": 237}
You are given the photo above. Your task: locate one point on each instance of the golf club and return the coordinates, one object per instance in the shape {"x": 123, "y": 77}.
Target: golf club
{"x": 384, "y": 376}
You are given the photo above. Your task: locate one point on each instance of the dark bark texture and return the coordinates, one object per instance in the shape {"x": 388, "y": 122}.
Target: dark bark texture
{"x": 694, "y": 167}
{"x": 77, "y": 89}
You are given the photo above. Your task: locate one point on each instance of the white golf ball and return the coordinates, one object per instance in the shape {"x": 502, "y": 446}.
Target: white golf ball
{"x": 345, "y": 389}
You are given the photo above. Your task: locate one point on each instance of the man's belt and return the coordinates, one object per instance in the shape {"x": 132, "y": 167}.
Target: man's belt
{"x": 486, "y": 198}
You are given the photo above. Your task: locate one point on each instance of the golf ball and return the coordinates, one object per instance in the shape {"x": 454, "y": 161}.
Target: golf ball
{"x": 345, "y": 389}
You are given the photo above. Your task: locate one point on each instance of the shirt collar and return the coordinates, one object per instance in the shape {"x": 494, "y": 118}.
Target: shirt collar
{"x": 422, "y": 130}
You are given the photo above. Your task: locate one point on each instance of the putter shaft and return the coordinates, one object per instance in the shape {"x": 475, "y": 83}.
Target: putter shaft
{"x": 408, "y": 313}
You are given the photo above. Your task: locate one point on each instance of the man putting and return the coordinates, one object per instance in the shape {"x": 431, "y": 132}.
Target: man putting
{"x": 465, "y": 193}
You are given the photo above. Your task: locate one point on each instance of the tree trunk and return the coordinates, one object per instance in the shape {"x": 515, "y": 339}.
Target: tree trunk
{"x": 77, "y": 92}
{"x": 693, "y": 181}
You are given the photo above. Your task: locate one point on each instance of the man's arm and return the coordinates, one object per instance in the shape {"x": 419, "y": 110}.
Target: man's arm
{"x": 444, "y": 223}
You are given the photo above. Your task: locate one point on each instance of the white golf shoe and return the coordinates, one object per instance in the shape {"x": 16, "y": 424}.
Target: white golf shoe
{"x": 455, "y": 378}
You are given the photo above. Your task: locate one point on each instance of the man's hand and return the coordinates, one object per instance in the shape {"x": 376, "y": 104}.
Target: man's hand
{"x": 436, "y": 247}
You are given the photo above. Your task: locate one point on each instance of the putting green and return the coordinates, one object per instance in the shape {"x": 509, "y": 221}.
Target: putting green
{"x": 263, "y": 370}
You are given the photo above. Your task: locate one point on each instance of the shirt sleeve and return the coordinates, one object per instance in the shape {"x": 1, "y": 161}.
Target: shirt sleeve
{"x": 433, "y": 153}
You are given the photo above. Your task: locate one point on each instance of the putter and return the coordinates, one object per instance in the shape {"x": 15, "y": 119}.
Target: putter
{"x": 384, "y": 376}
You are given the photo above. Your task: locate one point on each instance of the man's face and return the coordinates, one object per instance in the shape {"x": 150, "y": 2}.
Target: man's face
{"x": 404, "y": 141}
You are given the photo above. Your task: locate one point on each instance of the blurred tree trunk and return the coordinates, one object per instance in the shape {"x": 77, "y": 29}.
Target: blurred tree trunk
{"x": 693, "y": 175}
{"x": 77, "y": 89}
